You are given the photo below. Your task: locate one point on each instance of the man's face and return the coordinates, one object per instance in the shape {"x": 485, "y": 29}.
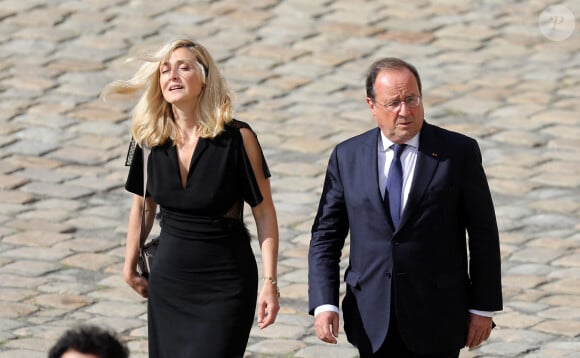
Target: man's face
{"x": 392, "y": 87}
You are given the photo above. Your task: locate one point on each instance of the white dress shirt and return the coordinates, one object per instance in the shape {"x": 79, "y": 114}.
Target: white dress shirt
{"x": 408, "y": 161}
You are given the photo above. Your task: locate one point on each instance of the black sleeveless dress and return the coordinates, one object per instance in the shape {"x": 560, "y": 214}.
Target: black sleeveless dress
{"x": 204, "y": 281}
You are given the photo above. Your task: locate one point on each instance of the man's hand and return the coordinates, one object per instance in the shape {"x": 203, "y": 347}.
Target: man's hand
{"x": 478, "y": 330}
{"x": 326, "y": 325}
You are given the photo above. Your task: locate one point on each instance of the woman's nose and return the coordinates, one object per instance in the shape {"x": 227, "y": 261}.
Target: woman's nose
{"x": 173, "y": 73}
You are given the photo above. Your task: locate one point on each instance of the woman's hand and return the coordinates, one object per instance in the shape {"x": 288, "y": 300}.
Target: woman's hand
{"x": 268, "y": 305}
{"x": 137, "y": 283}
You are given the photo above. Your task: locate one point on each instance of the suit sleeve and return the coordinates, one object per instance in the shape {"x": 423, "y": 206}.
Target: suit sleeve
{"x": 329, "y": 232}
{"x": 484, "y": 249}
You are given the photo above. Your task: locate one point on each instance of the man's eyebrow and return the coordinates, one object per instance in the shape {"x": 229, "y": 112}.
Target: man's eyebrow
{"x": 391, "y": 99}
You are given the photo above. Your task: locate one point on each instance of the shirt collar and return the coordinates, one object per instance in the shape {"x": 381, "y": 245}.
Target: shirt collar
{"x": 386, "y": 143}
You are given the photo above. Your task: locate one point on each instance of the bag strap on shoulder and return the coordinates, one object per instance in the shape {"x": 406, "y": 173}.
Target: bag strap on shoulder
{"x": 146, "y": 150}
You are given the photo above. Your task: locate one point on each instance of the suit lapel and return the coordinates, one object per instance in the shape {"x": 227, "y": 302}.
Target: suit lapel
{"x": 370, "y": 170}
{"x": 427, "y": 162}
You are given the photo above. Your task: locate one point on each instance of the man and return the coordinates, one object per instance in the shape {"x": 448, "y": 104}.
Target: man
{"x": 88, "y": 342}
{"x": 407, "y": 192}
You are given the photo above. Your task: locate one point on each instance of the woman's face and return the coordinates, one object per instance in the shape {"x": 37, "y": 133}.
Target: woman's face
{"x": 180, "y": 78}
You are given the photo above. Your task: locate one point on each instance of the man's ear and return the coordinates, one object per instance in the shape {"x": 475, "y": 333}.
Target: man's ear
{"x": 371, "y": 103}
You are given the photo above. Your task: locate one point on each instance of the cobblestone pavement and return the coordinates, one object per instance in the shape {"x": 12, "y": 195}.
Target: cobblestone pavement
{"x": 505, "y": 72}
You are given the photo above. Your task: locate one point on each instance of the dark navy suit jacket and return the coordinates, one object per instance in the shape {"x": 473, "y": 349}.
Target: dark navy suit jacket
{"x": 424, "y": 266}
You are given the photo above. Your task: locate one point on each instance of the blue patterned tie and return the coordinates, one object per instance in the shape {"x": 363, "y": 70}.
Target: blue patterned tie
{"x": 395, "y": 185}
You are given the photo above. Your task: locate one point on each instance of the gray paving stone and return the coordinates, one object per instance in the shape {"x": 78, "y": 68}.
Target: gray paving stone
{"x": 566, "y": 285}
{"x": 31, "y": 148}
{"x": 21, "y": 47}
{"x": 16, "y": 310}
{"x": 530, "y": 269}
{"x": 541, "y": 352}
{"x": 517, "y": 320}
{"x": 548, "y": 221}
{"x": 525, "y": 336}
{"x": 315, "y": 351}
{"x": 279, "y": 330}
{"x": 11, "y": 280}
{"x": 43, "y": 174}
{"x": 561, "y": 313}
{"x": 524, "y": 281}
{"x": 45, "y": 215}
{"x": 40, "y": 226}
{"x": 31, "y": 344}
{"x": 117, "y": 309}
{"x": 29, "y": 267}
{"x": 570, "y": 328}
{"x": 566, "y": 273}
{"x": 57, "y": 190}
{"x": 91, "y": 261}
{"x": 120, "y": 294}
{"x": 22, "y": 353}
{"x": 85, "y": 245}
{"x": 60, "y": 301}
{"x": 572, "y": 346}
{"x": 510, "y": 349}
{"x": 35, "y": 238}
{"x": 17, "y": 198}
{"x": 276, "y": 347}
{"x": 46, "y": 254}
{"x": 537, "y": 255}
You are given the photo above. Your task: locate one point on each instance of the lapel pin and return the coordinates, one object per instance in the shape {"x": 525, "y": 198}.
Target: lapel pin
{"x": 435, "y": 154}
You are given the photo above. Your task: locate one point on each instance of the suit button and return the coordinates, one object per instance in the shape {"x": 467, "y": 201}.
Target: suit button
{"x": 388, "y": 275}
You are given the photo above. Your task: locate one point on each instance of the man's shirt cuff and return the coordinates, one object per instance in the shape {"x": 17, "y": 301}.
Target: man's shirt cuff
{"x": 325, "y": 308}
{"x": 482, "y": 313}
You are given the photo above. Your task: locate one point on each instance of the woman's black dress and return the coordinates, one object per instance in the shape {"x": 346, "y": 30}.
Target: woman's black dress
{"x": 203, "y": 285}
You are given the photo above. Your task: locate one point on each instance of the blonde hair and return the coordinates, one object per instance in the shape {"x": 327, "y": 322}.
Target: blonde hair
{"x": 152, "y": 120}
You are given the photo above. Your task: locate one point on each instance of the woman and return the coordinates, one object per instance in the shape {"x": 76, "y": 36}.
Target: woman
{"x": 203, "y": 165}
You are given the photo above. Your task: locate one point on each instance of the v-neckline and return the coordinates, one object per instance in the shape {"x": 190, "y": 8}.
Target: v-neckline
{"x": 197, "y": 150}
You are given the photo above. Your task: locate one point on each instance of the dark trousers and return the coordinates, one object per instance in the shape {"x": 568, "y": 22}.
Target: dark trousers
{"x": 393, "y": 347}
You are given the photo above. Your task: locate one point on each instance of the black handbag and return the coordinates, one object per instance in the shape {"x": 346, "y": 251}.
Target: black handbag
{"x": 146, "y": 250}
{"x": 146, "y": 255}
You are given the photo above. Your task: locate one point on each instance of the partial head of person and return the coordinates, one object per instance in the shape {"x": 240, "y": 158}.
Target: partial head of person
{"x": 393, "y": 89}
{"x": 88, "y": 342}
{"x": 179, "y": 77}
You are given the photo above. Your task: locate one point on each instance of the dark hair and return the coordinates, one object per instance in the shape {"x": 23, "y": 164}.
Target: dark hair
{"x": 89, "y": 340}
{"x": 387, "y": 63}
